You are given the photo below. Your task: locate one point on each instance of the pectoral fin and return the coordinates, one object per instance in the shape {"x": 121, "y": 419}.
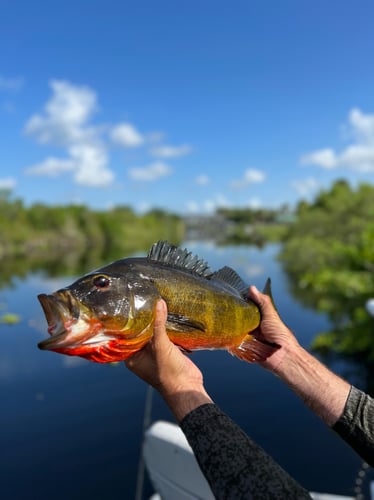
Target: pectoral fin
{"x": 180, "y": 323}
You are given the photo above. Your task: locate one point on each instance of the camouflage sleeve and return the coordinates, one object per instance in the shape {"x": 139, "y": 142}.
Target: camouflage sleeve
{"x": 234, "y": 466}
{"x": 356, "y": 425}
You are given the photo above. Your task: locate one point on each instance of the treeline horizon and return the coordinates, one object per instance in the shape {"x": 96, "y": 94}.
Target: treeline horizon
{"x": 73, "y": 232}
{"x": 42, "y": 229}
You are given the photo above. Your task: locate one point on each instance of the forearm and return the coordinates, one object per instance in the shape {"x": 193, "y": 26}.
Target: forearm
{"x": 322, "y": 391}
{"x": 235, "y": 466}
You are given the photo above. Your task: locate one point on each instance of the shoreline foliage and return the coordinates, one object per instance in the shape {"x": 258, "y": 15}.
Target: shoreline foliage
{"x": 75, "y": 238}
{"x": 328, "y": 254}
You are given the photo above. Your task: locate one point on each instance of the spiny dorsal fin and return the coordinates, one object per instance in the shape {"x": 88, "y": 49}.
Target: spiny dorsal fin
{"x": 165, "y": 252}
{"x": 229, "y": 276}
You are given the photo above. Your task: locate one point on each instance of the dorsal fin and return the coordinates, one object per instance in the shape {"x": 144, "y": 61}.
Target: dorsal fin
{"x": 229, "y": 276}
{"x": 166, "y": 253}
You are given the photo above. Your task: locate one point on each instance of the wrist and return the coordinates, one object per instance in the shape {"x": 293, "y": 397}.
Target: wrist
{"x": 291, "y": 356}
{"x": 183, "y": 400}
{"x": 279, "y": 362}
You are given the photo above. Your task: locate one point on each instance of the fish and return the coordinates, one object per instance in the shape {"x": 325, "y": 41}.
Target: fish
{"x": 108, "y": 314}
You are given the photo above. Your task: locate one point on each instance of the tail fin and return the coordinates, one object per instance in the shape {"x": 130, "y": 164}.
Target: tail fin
{"x": 254, "y": 350}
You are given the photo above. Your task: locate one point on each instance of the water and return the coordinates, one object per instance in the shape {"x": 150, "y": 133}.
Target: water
{"x": 72, "y": 429}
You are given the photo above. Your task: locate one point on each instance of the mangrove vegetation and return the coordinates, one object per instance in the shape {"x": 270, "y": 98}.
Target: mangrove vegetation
{"x": 71, "y": 239}
{"x": 328, "y": 253}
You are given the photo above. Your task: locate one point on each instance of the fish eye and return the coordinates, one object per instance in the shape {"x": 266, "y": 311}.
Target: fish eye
{"x": 101, "y": 282}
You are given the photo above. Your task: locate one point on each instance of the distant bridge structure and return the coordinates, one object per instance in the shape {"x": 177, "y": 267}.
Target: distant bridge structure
{"x": 206, "y": 227}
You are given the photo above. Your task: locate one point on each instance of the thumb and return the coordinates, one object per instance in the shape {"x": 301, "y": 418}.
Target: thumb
{"x": 263, "y": 301}
{"x": 159, "y": 325}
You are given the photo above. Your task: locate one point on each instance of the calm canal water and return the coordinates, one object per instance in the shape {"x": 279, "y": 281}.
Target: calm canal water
{"x": 72, "y": 429}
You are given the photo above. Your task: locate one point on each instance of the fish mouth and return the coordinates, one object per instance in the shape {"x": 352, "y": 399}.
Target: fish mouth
{"x": 61, "y": 311}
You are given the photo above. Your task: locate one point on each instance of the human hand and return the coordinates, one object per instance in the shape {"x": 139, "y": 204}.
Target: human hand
{"x": 272, "y": 329}
{"x": 161, "y": 364}
{"x": 323, "y": 392}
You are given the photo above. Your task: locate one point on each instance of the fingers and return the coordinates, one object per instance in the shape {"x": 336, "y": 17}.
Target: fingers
{"x": 261, "y": 299}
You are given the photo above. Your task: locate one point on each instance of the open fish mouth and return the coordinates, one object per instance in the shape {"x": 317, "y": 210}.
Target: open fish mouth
{"x": 61, "y": 311}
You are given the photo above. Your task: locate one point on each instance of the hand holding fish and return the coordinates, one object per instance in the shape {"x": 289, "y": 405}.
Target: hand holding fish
{"x": 180, "y": 382}
{"x": 272, "y": 330}
{"x": 162, "y": 365}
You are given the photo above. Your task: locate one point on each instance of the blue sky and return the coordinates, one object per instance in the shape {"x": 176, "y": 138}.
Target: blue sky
{"x": 185, "y": 106}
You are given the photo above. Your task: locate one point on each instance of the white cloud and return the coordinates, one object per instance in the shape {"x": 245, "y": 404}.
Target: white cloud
{"x": 11, "y": 84}
{"x": 325, "y": 158}
{"x": 250, "y": 176}
{"x": 65, "y": 122}
{"x": 358, "y": 156}
{"x": 65, "y": 116}
{"x": 362, "y": 126}
{"x": 150, "y": 172}
{"x": 192, "y": 207}
{"x": 202, "y": 180}
{"x": 253, "y": 176}
{"x": 8, "y": 183}
{"x": 86, "y": 161}
{"x": 306, "y": 186}
{"x": 126, "y": 135}
{"x": 51, "y": 167}
{"x": 254, "y": 203}
{"x": 91, "y": 165}
{"x": 171, "y": 151}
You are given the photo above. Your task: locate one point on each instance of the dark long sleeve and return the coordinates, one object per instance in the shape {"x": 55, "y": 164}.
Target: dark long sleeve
{"x": 356, "y": 425}
{"x": 234, "y": 466}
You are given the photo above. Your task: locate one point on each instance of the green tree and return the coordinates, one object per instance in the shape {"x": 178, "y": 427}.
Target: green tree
{"x": 75, "y": 238}
{"x": 329, "y": 256}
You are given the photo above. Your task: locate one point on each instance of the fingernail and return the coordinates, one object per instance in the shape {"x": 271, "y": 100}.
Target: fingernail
{"x": 160, "y": 306}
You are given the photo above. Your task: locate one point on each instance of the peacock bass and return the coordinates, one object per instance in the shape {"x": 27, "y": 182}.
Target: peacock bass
{"x": 108, "y": 314}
